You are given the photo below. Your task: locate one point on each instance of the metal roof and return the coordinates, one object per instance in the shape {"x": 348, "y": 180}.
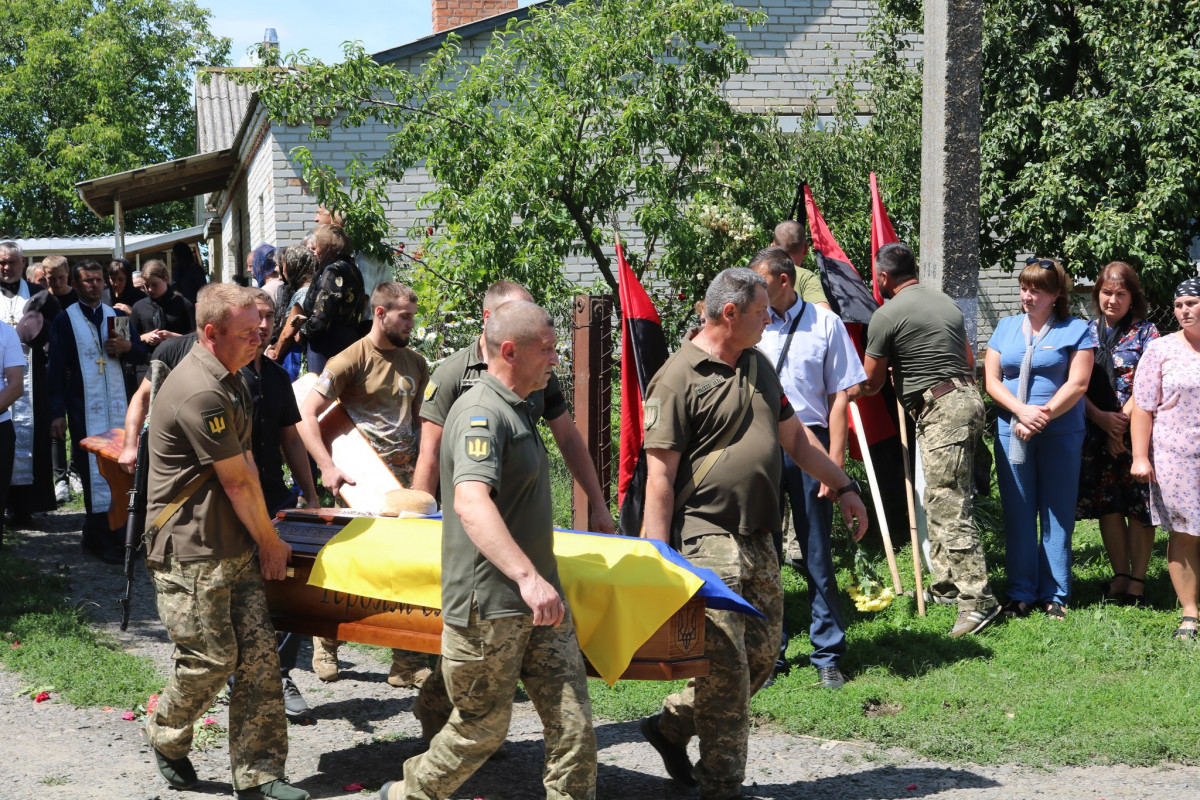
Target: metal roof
{"x": 221, "y": 106}
{"x": 78, "y": 246}
{"x": 159, "y": 183}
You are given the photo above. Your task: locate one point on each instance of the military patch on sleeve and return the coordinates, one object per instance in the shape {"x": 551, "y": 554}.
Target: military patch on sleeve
{"x": 215, "y": 422}
{"x": 479, "y": 422}
{"x": 478, "y": 447}
{"x": 430, "y": 390}
{"x": 650, "y": 413}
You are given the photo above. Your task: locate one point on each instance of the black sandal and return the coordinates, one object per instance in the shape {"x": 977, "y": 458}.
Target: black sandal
{"x": 1135, "y": 600}
{"x": 1015, "y": 608}
{"x": 1055, "y": 610}
{"x": 1110, "y": 594}
{"x": 1183, "y": 634}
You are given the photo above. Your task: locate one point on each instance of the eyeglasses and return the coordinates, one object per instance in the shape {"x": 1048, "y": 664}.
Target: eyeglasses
{"x": 1041, "y": 262}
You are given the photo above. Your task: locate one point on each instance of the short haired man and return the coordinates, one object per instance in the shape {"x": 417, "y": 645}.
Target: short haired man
{"x": 920, "y": 333}
{"x": 87, "y": 389}
{"x": 202, "y": 558}
{"x": 35, "y": 273}
{"x": 816, "y": 363}
{"x": 463, "y": 369}
{"x": 791, "y": 237}
{"x": 30, "y": 309}
{"x": 503, "y": 614}
{"x": 379, "y": 381}
{"x": 719, "y": 394}
{"x": 58, "y": 280}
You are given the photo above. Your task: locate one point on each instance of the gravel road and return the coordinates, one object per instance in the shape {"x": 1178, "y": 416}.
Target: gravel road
{"x": 363, "y": 732}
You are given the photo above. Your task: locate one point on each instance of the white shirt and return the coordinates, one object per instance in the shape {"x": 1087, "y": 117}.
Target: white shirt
{"x": 11, "y": 355}
{"x": 821, "y": 359}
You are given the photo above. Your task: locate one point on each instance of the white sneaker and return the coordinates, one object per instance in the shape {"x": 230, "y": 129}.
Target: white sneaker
{"x": 62, "y": 492}
{"x": 76, "y": 484}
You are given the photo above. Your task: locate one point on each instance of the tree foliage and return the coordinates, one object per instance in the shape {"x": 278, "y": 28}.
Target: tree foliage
{"x": 581, "y": 115}
{"x": 88, "y": 89}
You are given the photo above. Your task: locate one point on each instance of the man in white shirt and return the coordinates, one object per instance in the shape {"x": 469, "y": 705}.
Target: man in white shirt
{"x": 816, "y": 363}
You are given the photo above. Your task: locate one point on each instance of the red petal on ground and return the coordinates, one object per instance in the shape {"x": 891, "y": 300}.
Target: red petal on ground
{"x": 352, "y": 787}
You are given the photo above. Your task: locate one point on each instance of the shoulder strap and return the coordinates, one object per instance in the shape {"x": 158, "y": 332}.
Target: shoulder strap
{"x": 177, "y": 502}
{"x": 710, "y": 460}
{"x": 788, "y": 341}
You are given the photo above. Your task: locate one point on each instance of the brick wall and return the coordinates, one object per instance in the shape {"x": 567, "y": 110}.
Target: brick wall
{"x": 452, "y": 13}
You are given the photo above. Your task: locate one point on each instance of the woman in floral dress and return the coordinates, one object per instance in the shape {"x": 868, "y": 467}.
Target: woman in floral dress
{"x": 1107, "y": 490}
{"x": 1165, "y": 421}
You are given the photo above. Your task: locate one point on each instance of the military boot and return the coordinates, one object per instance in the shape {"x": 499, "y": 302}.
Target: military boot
{"x": 325, "y": 662}
{"x": 273, "y": 790}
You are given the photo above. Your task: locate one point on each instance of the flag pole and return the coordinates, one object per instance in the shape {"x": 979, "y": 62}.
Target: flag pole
{"x": 912, "y": 510}
{"x": 876, "y": 496}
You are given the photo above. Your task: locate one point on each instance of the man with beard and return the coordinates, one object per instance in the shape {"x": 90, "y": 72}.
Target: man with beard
{"x": 30, "y": 309}
{"x": 87, "y": 386}
{"x": 379, "y": 381}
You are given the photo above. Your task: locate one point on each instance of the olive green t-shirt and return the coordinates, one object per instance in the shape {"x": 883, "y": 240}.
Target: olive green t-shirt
{"x": 461, "y": 370}
{"x": 689, "y": 404}
{"x": 921, "y": 333}
{"x": 490, "y": 437}
{"x": 380, "y": 389}
{"x": 202, "y": 413}
{"x": 808, "y": 286}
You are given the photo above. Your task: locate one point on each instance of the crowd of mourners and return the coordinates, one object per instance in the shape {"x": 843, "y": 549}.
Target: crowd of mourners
{"x": 1097, "y": 419}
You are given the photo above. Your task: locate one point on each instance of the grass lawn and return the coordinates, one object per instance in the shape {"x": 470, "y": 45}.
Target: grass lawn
{"x": 1106, "y": 685}
{"x": 50, "y": 643}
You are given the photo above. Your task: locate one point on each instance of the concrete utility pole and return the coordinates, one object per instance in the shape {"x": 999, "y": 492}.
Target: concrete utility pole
{"x": 950, "y": 112}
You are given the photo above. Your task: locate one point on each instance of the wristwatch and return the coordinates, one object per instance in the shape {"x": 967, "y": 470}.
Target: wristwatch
{"x": 852, "y": 486}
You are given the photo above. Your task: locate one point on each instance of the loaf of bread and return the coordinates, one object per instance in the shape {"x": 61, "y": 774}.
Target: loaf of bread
{"x": 413, "y": 501}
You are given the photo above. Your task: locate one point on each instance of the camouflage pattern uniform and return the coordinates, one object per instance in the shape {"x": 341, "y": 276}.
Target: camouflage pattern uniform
{"x": 741, "y": 653}
{"x": 481, "y": 664}
{"x": 946, "y": 432}
{"x": 215, "y": 612}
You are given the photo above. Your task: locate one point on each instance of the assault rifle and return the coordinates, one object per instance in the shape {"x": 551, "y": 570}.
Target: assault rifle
{"x": 136, "y": 524}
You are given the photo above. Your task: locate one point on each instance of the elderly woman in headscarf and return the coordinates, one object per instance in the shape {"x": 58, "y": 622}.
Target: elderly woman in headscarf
{"x": 1037, "y": 369}
{"x": 1165, "y": 420}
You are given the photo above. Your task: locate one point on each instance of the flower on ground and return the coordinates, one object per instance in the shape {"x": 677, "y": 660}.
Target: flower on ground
{"x": 127, "y": 716}
{"x": 41, "y": 697}
{"x": 209, "y": 721}
{"x": 15, "y": 646}
{"x": 352, "y": 787}
{"x": 151, "y": 704}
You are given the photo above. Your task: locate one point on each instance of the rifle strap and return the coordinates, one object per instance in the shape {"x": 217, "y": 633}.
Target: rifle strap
{"x": 177, "y": 502}
{"x": 700, "y": 473}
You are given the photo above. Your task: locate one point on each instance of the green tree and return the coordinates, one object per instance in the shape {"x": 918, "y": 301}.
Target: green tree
{"x": 92, "y": 88}
{"x": 584, "y": 113}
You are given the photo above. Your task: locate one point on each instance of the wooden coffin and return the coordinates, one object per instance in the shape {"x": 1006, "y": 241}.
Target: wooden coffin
{"x": 675, "y": 651}
{"x": 107, "y": 449}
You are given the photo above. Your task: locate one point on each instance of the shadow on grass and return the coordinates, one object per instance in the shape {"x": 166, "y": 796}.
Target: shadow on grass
{"x": 912, "y": 653}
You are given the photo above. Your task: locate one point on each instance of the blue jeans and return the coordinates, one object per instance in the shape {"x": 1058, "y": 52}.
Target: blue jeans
{"x": 1042, "y": 490}
{"x": 812, "y": 518}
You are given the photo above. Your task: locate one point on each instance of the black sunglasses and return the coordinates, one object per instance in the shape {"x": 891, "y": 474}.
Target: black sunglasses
{"x": 1041, "y": 262}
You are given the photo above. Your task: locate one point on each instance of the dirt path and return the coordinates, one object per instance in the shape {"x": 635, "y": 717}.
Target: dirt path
{"x": 364, "y": 732}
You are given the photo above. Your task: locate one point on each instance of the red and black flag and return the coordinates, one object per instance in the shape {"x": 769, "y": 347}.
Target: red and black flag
{"x": 643, "y": 351}
{"x": 881, "y": 233}
{"x": 851, "y": 300}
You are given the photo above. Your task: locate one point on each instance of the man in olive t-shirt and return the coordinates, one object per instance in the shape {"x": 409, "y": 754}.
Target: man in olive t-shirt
{"x": 726, "y": 517}
{"x": 921, "y": 334}
{"x": 379, "y": 381}
{"x": 209, "y": 583}
{"x": 503, "y": 615}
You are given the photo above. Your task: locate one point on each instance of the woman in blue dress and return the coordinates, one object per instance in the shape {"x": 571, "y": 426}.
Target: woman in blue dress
{"x": 1036, "y": 369}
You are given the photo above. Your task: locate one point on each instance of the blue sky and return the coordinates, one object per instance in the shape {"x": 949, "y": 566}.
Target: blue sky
{"x": 320, "y": 27}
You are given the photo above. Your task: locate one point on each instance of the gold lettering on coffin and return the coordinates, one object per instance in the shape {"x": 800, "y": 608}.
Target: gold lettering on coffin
{"x": 345, "y": 603}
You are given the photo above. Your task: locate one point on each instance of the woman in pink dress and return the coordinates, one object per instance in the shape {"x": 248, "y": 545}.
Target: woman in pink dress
{"x": 1166, "y": 422}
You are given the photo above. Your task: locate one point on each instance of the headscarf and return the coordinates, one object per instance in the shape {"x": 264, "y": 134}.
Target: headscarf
{"x": 262, "y": 263}
{"x": 1189, "y": 288}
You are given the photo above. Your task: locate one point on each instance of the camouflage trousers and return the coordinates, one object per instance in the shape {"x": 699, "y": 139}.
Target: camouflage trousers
{"x": 215, "y": 612}
{"x": 481, "y": 664}
{"x": 946, "y": 433}
{"x": 741, "y": 653}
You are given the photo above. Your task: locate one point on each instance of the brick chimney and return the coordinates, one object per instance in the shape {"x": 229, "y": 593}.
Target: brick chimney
{"x": 449, "y": 14}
